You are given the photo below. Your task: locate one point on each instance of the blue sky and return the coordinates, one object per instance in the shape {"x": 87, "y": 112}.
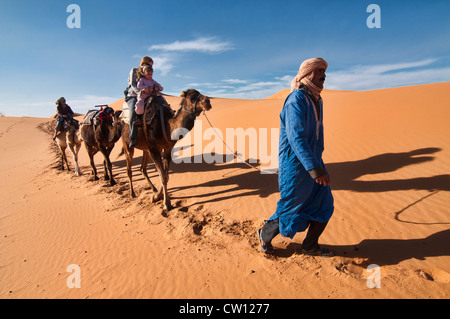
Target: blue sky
{"x": 234, "y": 48}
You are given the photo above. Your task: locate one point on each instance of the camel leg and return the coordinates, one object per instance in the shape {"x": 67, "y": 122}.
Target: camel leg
{"x": 74, "y": 145}
{"x": 156, "y": 156}
{"x": 112, "y": 180}
{"x": 74, "y": 151}
{"x": 64, "y": 159}
{"x": 129, "y": 153}
{"x": 91, "y": 151}
{"x": 145, "y": 160}
{"x": 167, "y": 157}
{"x": 160, "y": 194}
{"x": 77, "y": 150}
{"x": 94, "y": 170}
{"x": 106, "y": 168}
{"x": 62, "y": 145}
{"x": 106, "y": 152}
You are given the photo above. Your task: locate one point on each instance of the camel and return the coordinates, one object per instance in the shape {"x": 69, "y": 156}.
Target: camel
{"x": 157, "y": 144}
{"x": 101, "y": 136}
{"x": 69, "y": 137}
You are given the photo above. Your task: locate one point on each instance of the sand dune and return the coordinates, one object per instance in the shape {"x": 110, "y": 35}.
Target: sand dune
{"x": 388, "y": 155}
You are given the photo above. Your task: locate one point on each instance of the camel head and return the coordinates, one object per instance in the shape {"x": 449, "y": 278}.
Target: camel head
{"x": 108, "y": 125}
{"x": 194, "y": 102}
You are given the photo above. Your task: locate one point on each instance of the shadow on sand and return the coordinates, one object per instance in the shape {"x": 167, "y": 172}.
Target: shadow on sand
{"x": 344, "y": 175}
{"x": 250, "y": 182}
{"x": 386, "y": 251}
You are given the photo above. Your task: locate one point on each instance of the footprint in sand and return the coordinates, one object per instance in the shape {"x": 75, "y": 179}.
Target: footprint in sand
{"x": 434, "y": 274}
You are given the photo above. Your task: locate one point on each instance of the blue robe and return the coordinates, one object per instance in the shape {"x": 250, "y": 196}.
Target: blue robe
{"x": 301, "y": 145}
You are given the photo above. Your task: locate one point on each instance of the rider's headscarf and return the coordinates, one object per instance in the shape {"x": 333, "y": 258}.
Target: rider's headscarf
{"x": 305, "y": 75}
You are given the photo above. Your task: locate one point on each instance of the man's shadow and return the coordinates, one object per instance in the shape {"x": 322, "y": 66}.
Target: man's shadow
{"x": 247, "y": 181}
{"x": 387, "y": 251}
{"x": 344, "y": 175}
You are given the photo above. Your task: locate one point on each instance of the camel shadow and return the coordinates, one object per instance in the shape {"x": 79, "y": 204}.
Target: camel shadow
{"x": 120, "y": 167}
{"x": 120, "y": 164}
{"x": 239, "y": 177}
{"x": 386, "y": 251}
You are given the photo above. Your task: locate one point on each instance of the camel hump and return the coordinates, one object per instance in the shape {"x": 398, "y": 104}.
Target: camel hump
{"x": 159, "y": 102}
{"x": 152, "y": 107}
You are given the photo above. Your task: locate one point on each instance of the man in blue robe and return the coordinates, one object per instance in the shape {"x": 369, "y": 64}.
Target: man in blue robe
{"x": 305, "y": 201}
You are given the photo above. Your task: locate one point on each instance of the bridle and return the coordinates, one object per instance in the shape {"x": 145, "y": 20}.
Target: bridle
{"x": 103, "y": 115}
{"x": 195, "y": 105}
{"x": 163, "y": 127}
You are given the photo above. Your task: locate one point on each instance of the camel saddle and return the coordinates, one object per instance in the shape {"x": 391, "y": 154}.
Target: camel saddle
{"x": 93, "y": 117}
{"x": 65, "y": 127}
{"x": 152, "y": 105}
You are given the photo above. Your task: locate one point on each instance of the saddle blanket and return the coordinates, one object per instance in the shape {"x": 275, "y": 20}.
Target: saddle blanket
{"x": 91, "y": 115}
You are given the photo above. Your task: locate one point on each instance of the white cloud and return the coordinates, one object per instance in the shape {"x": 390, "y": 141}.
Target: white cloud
{"x": 272, "y": 85}
{"x": 371, "y": 77}
{"x": 205, "y": 44}
{"x": 383, "y": 68}
{"x": 209, "y": 85}
{"x": 234, "y": 81}
{"x": 202, "y": 84}
{"x": 257, "y": 90}
{"x": 163, "y": 63}
{"x": 286, "y": 78}
{"x": 184, "y": 76}
{"x": 166, "y": 56}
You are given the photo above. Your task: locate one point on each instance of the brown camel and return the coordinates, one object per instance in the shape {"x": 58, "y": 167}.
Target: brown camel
{"x": 101, "y": 136}
{"x": 157, "y": 145}
{"x": 69, "y": 137}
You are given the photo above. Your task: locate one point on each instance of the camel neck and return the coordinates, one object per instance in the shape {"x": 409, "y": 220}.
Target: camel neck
{"x": 108, "y": 132}
{"x": 182, "y": 120}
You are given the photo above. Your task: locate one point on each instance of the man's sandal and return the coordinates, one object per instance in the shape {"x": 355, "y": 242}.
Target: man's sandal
{"x": 266, "y": 248}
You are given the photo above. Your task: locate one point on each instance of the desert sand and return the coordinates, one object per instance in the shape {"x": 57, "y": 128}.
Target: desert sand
{"x": 388, "y": 155}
